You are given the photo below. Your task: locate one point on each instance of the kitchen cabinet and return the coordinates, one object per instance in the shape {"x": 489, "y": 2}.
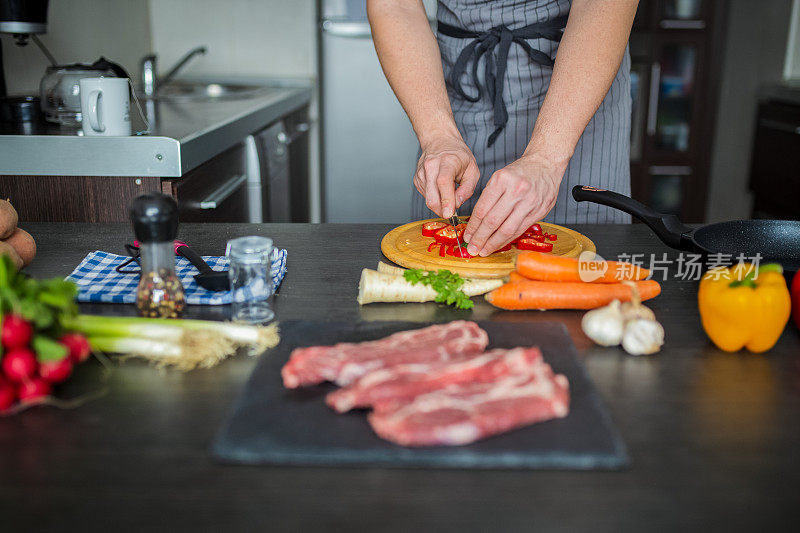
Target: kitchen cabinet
{"x": 273, "y": 154}
{"x": 224, "y": 160}
{"x": 297, "y": 131}
{"x": 74, "y": 198}
{"x": 216, "y": 191}
{"x": 675, "y": 55}
{"x": 263, "y": 178}
{"x": 776, "y": 158}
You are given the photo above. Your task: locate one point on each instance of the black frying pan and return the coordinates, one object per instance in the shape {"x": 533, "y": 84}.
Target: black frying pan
{"x": 777, "y": 241}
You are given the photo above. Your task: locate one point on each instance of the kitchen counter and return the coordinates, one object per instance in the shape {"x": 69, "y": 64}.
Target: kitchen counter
{"x": 185, "y": 133}
{"x": 714, "y": 438}
{"x": 787, "y": 92}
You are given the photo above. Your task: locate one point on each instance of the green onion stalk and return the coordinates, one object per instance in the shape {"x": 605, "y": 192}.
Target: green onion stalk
{"x": 181, "y": 343}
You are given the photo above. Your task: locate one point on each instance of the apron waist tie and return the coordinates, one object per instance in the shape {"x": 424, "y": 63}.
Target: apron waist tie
{"x": 499, "y": 37}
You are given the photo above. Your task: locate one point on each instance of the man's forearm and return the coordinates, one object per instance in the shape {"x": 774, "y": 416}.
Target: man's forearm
{"x": 588, "y": 59}
{"x": 410, "y": 58}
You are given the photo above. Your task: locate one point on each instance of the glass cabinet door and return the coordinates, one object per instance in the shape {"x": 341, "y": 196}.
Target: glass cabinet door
{"x": 668, "y": 187}
{"x": 639, "y": 78}
{"x": 673, "y": 97}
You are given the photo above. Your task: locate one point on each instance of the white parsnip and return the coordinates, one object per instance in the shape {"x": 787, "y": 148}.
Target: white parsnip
{"x": 389, "y": 269}
{"x": 377, "y": 286}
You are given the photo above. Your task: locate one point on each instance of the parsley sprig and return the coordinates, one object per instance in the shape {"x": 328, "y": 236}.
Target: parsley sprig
{"x": 446, "y": 284}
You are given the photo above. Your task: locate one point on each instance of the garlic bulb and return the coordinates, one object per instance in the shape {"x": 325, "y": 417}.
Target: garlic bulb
{"x": 604, "y": 325}
{"x": 642, "y": 336}
{"x": 634, "y": 310}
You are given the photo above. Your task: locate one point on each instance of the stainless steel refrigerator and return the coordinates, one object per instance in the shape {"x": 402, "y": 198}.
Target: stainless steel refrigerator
{"x": 369, "y": 148}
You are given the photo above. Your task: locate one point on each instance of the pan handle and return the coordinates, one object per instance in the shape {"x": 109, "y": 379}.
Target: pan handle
{"x": 667, "y": 227}
{"x": 194, "y": 258}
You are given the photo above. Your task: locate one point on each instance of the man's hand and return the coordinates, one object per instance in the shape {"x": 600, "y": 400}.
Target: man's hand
{"x": 515, "y": 197}
{"x": 445, "y": 161}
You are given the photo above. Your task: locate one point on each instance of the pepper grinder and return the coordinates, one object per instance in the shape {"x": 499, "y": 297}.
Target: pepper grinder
{"x": 155, "y": 223}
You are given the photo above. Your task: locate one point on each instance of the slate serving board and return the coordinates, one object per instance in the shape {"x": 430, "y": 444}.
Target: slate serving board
{"x": 273, "y": 425}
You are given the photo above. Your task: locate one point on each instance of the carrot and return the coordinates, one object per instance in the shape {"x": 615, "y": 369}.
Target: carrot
{"x": 548, "y": 267}
{"x": 532, "y": 294}
{"x": 516, "y": 276}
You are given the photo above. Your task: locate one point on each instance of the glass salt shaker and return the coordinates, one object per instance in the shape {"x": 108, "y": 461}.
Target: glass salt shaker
{"x": 155, "y": 223}
{"x": 250, "y": 260}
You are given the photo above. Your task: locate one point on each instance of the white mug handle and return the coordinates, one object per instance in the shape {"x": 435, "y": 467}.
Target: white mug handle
{"x": 94, "y": 111}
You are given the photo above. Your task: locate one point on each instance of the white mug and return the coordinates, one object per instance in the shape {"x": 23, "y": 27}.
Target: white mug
{"x": 105, "y": 106}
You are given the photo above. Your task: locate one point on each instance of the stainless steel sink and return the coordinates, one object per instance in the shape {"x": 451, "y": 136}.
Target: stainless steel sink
{"x": 186, "y": 90}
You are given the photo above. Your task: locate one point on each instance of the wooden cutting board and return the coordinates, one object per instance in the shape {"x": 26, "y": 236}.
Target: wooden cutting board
{"x": 406, "y": 246}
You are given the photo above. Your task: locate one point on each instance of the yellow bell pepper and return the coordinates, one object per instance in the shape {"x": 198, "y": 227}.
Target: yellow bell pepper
{"x": 744, "y": 306}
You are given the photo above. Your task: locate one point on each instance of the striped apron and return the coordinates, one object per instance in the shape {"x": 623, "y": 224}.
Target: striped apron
{"x": 498, "y": 134}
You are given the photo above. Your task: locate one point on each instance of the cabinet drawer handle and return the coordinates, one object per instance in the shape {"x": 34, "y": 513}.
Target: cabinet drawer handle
{"x": 670, "y": 170}
{"x": 655, "y": 87}
{"x": 779, "y": 126}
{"x": 677, "y": 24}
{"x": 359, "y": 30}
{"x": 299, "y": 130}
{"x": 214, "y": 199}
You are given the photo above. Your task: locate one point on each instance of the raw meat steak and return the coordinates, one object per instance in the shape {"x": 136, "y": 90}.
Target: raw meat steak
{"x": 464, "y": 413}
{"x": 405, "y": 382}
{"x": 346, "y": 362}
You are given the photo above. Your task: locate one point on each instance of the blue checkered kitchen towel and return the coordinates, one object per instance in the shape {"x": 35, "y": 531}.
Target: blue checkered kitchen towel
{"x": 99, "y": 281}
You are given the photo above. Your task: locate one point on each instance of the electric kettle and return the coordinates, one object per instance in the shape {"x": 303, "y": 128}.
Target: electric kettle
{"x": 61, "y": 94}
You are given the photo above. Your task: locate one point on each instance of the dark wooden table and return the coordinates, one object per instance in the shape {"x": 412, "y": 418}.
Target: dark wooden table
{"x": 714, "y": 438}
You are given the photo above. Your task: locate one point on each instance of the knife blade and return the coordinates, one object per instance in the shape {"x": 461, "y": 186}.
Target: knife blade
{"x": 454, "y": 221}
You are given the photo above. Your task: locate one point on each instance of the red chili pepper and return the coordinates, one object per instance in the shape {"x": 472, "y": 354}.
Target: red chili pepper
{"x": 447, "y": 235}
{"x": 458, "y": 251}
{"x": 536, "y": 229}
{"x": 430, "y": 228}
{"x": 505, "y": 248}
{"x": 552, "y": 237}
{"x": 531, "y": 244}
{"x": 432, "y": 245}
{"x": 796, "y": 298}
{"x": 442, "y": 249}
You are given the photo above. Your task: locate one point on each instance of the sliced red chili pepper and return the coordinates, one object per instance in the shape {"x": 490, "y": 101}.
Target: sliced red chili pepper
{"x": 552, "y": 237}
{"x": 442, "y": 249}
{"x": 535, "y": 229}
{"x": 429, "y": 228}
{"x": 446, "y": 235}
{"x": 458, "y": 251}
{"x": 432, "y": 245}
{"x": 531, "y": 244}
{"x": 528, "y": 235}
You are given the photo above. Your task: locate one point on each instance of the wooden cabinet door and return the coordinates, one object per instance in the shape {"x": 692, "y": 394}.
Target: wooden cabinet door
{"x": 74, "y": 198}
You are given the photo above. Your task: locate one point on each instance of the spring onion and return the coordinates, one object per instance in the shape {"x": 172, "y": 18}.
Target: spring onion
{"x": 184, "y": 344}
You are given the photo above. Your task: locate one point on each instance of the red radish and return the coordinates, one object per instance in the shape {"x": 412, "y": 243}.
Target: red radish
{"x": 7, "y": 395}
{"x": 77, "y": 345}
{"x": 16, "y": 332}
{"x": 55, "y": 371}
{"x": 19, "y": 365}
{"x": 33, "y": 389}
